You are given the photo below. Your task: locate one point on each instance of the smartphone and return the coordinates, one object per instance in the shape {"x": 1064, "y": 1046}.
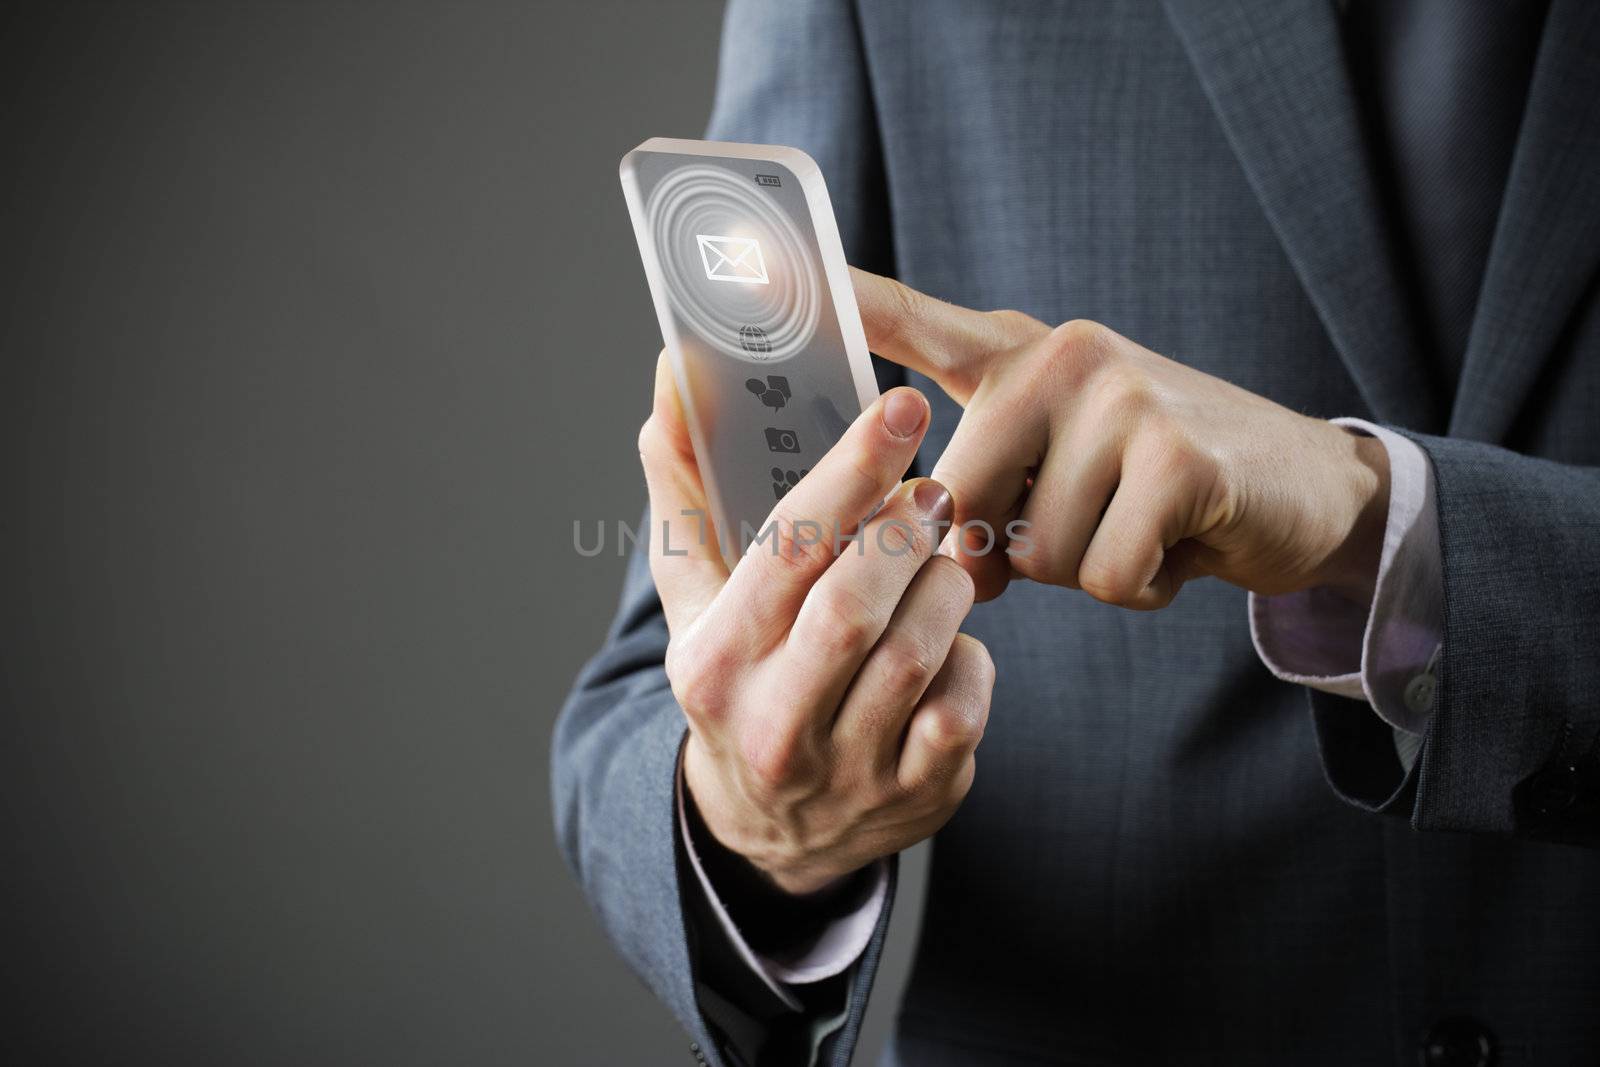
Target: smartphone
{"x": 750, "y": 285}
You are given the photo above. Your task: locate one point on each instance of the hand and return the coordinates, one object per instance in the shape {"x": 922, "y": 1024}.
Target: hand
{"x": 1130, "y": 473}
{"x": 833, "y": 708}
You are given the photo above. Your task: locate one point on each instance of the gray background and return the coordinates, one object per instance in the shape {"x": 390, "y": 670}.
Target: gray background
{"x": 322, "y": 324}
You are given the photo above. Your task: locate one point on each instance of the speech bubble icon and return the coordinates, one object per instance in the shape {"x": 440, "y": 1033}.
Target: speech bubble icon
{"x": 773, "y": 393}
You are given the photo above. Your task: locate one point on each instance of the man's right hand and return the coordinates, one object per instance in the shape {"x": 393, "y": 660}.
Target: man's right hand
{"x": 833, "y": 708}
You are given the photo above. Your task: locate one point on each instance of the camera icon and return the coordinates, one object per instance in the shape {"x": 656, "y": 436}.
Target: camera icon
{"x": 782, "y": 440}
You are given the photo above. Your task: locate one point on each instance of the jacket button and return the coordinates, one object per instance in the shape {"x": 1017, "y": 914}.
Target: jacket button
{"x": 1458, "y": 1042}
{"x": 1554, "y": 791}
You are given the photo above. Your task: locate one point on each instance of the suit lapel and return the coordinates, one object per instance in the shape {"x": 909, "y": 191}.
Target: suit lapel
{"x": 1547, "y": 241}
{"x": 1275, "y": 73}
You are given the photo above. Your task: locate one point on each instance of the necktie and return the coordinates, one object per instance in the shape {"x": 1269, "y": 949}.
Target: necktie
{"x": 1443, "y": 84}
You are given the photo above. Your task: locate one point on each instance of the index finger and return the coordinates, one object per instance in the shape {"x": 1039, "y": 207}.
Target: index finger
{"x": 952, "y": 345}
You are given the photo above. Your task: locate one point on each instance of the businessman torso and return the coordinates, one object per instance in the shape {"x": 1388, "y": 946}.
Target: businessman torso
{"x": 1151, "y": 866}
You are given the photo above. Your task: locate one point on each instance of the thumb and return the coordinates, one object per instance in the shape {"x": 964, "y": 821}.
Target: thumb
{"x": 685, "y": 559}
{"x": 952, "y": 345}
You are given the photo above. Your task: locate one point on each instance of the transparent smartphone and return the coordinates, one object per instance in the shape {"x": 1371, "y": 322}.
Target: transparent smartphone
{"x": 750, "y": 283}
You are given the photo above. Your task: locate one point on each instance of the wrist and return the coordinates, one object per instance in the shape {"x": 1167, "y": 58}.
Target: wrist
{"x": 720, "y": 849}
{"x": 768, "y": 915}
{"x": 1351, "y": 570}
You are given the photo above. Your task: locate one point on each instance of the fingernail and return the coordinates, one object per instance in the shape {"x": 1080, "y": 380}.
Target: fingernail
{"x": 933, "y": 499}
{"x": 902, "y": 412}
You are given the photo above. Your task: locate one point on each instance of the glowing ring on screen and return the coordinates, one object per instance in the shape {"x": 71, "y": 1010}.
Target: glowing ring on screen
{"x": 709, "y": 200}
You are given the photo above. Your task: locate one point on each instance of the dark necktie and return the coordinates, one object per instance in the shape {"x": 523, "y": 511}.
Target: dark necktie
{"x": 1443, "y": 84}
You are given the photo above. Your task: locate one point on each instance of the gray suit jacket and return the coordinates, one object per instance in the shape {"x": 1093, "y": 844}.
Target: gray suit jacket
{"x": 1168, "y": 855}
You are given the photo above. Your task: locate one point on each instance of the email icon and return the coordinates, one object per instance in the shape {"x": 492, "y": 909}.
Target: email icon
{"x": 732, "y": 259}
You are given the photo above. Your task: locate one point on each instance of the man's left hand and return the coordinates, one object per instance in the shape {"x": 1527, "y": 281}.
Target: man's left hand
{"x": 1130, "y": 473}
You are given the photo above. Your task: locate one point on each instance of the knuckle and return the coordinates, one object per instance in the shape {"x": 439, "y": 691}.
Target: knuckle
{"x": 898, "y": 537}
{"x": 1038, "y": 564}
{"x": 1122, "y": 393}
{"x": 843, "y": 623}
{"x": 650, "y": 438}
{"x": 951, "y": 582}
{"x": 906, "y": 665}
{"x": 1177, "y": 458}
{"x": 906, "y": 309}
{"x": 772, "y": 757}
{"x": 1076, "y": 351}
{"x": 1083, "y": 335}
{"x": 1174, "y": 460}
{"x": 870, "y": 463}
{"x": 698, "y": 673}
{"x": 798, "y": 545}
{"x": 675, "y": 662}
{"x": 1110, "y": 580}
{"x": 951, "y": 727}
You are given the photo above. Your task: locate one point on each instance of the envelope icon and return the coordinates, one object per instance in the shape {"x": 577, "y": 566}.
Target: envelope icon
{"x": 732, "y": 259}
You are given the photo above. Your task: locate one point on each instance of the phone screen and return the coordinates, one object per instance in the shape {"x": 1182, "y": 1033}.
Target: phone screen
{"x": 771, "y": 369}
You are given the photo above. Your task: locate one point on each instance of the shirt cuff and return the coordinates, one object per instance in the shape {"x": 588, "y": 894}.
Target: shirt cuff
{"x": 836, "y": 948}
{"x": 1385, "y": 652}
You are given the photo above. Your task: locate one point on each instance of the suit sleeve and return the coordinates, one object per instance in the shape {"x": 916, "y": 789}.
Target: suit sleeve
{"x": 1511, "y": 744}
{"x": 791, "y": 72}
{"x": 1372, "y": 652}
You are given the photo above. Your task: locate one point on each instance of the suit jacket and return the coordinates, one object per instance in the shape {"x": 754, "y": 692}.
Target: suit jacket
{"x": 1168, "y": 855}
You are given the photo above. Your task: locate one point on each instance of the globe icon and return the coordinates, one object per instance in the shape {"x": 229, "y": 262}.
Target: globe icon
{"x": 753, "y": 339}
